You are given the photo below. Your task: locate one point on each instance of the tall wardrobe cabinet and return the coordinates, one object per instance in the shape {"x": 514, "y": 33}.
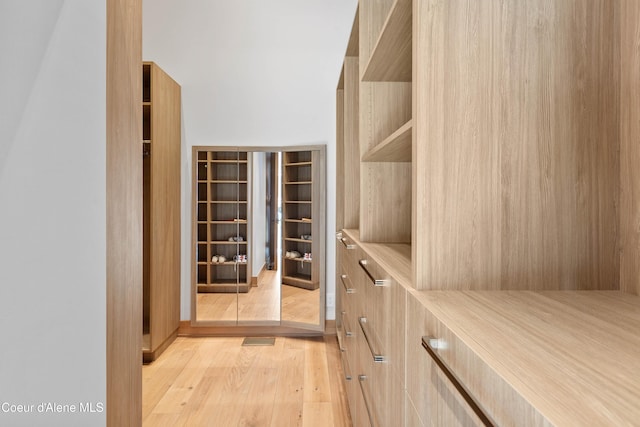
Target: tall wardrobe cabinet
{"x": 161, "y": 210}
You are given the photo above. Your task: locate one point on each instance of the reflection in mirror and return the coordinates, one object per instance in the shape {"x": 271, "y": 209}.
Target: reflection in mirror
{"x": 302, "y": 257}
{"x": 255, "y": 215}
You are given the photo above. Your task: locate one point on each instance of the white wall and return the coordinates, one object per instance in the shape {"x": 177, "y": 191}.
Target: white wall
{"x": 259, "y": 215}
{"x": 52, "y": 209}
{"x": 253, "y": 72}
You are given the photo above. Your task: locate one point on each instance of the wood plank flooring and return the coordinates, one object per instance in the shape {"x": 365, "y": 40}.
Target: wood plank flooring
{"x": 262, "y": 303}
{"x": 218, "y": 382}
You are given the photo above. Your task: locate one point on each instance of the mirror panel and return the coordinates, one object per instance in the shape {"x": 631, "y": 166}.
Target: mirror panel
{"x": 257, "y": 210}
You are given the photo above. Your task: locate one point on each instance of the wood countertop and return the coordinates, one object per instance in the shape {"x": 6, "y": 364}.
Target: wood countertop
{"x": 574, "y": 356}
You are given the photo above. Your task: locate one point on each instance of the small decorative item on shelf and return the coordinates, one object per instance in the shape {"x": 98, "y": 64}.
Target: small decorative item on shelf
{"x": 307, "y": 256}
{"x": 216, "y": 259}
{"x": 236, "y": 239}
{"x": 306, "y": 237}
{"x": 292, "y": 254}
{"x": 240, "y": 258}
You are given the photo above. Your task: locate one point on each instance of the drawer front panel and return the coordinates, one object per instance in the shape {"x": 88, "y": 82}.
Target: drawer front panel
{"x": 384, "y": 311}
{"x": 434, "y": 395}
{"x": 437, "y": 400}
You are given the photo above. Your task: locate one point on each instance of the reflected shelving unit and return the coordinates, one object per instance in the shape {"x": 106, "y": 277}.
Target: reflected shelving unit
{"x": 222, "y": 220}
{"x": 299, "y": 193}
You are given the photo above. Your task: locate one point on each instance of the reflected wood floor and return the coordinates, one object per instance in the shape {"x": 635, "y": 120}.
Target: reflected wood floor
{"x": 218, "y": 382}
{"x": 262, "y": 303}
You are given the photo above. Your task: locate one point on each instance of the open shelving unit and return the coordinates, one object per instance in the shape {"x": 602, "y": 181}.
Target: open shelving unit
{"x": 390, "y": 59}
{"x": 395, "y": 148}
{"x": 299, "y": 227}
{"x": 221, "y": 220}
{"x": 385, "y": 121}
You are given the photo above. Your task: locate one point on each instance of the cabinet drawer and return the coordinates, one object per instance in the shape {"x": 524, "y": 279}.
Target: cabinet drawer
{"x": 436, "y": 399}
{"x": 347, "y": 292}
{"x": 383, "y": 315}
{"x": 412, "y": 418}
{"x": 382, "y": 389}
{"x": 351, "y": 384}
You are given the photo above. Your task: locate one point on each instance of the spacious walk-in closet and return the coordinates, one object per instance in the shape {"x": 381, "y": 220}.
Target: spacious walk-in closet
{"x": 368, "y": 213}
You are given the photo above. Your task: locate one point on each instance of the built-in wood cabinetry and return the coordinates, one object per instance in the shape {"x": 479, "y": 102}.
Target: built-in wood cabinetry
{"x": 221, "y": 220}
{"x": 493, "y": 144}
{"x": 526, "y": 358}
{"x": 372, "y": 327}
{"x": 161, "y": 148}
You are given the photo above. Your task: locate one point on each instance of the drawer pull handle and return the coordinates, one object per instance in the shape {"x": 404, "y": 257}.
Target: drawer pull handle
{"x": 347, "y": 289}
{"x": 340, "y": 346}
{"x": 376, "y": 282}
{"x": 376, "y": 356}
{"x": 346, "y": 369}
{"x": 347, "y": 245}
{"x": 347, "y": 333}
{"x": 361, "y": 380}
{"x": 431, "y": 345}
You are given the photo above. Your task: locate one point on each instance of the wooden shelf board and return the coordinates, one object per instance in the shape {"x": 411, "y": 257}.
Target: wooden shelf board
{"x": 390, "y": 59}
{"x": 227, "y": 263}
{"x": 226, "y": 222}
{"x": 297, "y": 182}
{"x": 299, "y": 221}
{"x": 226, "y": 242}
{"x": 308, "y": 261}
{"x": 292, "y": 239}
{"x": 146, "y": 103}
{"x": 297, "y": 201}
{"x": 298, "y": 164}
{"x": 395, "y": 148}
{"x": 227, "y": 161}
{"x": 223, "y": 181}
{"x": 221, "y": 202}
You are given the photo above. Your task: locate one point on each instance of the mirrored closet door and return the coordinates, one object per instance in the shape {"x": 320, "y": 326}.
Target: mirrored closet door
{"x": 222, "y": 230}
{"x": 258, "y": 236}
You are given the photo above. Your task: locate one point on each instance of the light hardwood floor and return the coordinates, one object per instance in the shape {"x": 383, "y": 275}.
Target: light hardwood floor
{"x": 262, "y": 303}
{"x": 218, "y": 382}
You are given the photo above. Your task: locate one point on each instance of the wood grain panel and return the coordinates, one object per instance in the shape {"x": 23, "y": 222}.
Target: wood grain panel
{"x": 385, "y": 202}
{"x": 395, "y": 148}
{"x": 390, "y": 58}
{"x": 124, "y": 213}
{"x": 354, "y": 39}
{"x": 515, "y": 145}
{"x": 318, "y": 247}
{"x": 351, "y": 170}
{"x": 629, "y": 147}
{"x": 372, "y": 16}
{"x": 533, "y": 358}
{"x": 165, "y": 206}
{"x": 385, "y": 189}
{"x": 340, "y": 158}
